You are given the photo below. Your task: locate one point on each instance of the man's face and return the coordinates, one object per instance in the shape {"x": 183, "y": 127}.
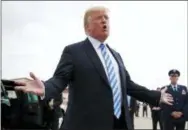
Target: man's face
{"x": 98, "y": 24}
{"x": 174, "y": 79}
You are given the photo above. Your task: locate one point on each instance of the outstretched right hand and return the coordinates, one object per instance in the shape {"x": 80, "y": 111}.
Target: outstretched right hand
{"x": 34, "y": 86}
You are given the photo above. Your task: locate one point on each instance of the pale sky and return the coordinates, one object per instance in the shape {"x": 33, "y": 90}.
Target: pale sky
{"x": 151, "y": 37}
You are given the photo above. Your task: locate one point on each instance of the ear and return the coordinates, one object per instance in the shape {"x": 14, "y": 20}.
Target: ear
{"x": 87, "y": 28}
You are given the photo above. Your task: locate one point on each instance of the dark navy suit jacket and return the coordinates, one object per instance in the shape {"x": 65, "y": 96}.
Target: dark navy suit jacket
{"x": 180, "y": 101}
{"x": 90, "y": 103}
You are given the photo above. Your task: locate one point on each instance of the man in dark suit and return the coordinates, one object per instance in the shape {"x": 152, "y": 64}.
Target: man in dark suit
{"x": 145, "y": 109}
{"x": 156, "y": 115}
{"x": 174, "y": 116}
{"x": 137, "y": 109}
{"x": 132, "y": 108}
{"x": 97, "y": 78}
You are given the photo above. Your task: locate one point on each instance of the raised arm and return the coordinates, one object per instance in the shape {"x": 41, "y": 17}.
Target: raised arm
{"x": 62, "y": 76}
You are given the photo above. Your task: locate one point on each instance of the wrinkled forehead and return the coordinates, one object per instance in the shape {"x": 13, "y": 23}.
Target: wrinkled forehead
{"x": 99, "y": 12}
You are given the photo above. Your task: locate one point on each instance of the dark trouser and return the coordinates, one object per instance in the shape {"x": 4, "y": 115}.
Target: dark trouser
{"x": 145, "y": 112}
{"x": 156, "y": 117}
{"x": 169, "y": 125}
{"x": 55, "y": 123}
{"x": 137, "y": 112}
{"x": 132, "y": 117}
{"x": 57, "y": 113}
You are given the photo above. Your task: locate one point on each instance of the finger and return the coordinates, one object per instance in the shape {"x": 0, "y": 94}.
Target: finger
{"x": 170, "y": 100}
{"x": 169, "y": 103}
{"x": 34, "y": 92}
{"x": 17, "y": 83}
{"x": 169, "y": 95}
{"x": 20, "y": 88}
{"x": 33, "y": 76}
{"x": 25, "y": 90}
{"x": 164, "y": 90}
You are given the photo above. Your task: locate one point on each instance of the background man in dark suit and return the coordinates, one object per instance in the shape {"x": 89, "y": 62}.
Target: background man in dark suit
{"x": 145, "y": 109}
{"x": 156, "y": 115}
{"x": 97, "y": 78}
{"x": 137, "y": 109}
{"x": 173, "y": 116}
{"x": 132, "y": 108}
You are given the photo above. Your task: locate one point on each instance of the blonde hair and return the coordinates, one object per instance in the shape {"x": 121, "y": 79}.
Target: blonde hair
{"x": 91, "y": 10}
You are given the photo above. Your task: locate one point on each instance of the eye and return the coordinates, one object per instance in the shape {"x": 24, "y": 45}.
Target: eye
{"x": 102, "y": 16}
{"x": 106, "y": 17}
{"x": 98, "y": 17}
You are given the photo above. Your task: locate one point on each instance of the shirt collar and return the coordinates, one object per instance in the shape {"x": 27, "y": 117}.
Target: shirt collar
{"x": 96, "y": 43}
{"x": 174, "y": 85}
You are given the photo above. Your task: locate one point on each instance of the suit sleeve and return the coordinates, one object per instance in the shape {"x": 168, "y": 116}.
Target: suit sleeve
{"x": 142, "y": 93}
{"x": 62, "y": 76}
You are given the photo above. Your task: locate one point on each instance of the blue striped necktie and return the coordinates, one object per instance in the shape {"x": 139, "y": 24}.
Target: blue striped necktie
{"x": 112, "y": 78}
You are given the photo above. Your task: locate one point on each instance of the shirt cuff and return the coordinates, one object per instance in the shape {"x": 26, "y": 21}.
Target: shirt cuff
{"x": 42, "y": 97}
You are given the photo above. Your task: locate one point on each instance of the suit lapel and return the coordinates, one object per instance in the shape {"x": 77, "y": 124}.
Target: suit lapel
{"x": 179, "y": 88}
{"x": 170, "y": 89}
{"x": 92, "y": 54}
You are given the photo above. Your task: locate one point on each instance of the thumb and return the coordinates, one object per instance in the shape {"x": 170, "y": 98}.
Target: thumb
{"x": 33, "y": 76}
{"x": 164, "y": 90}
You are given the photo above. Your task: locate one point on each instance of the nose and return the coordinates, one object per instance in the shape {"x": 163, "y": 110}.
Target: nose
{"x": 104, "y": 19}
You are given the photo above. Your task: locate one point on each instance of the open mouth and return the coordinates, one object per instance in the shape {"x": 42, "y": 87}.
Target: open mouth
{"x": 104, "y": 27}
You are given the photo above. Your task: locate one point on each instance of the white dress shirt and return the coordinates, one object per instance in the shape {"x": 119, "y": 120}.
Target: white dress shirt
{"x": 96, "y": 45}
{"x": 174, "y": 86}
{"x": 129, "y": 101}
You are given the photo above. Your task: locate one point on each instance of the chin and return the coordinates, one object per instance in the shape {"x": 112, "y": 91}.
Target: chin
{"x": 106, "y": 34}
{"x": 104, "y": 37}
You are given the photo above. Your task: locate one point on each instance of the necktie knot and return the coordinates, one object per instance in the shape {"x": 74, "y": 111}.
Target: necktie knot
{"x": 174, "y": 88}
{"x": 102, "y": 46}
